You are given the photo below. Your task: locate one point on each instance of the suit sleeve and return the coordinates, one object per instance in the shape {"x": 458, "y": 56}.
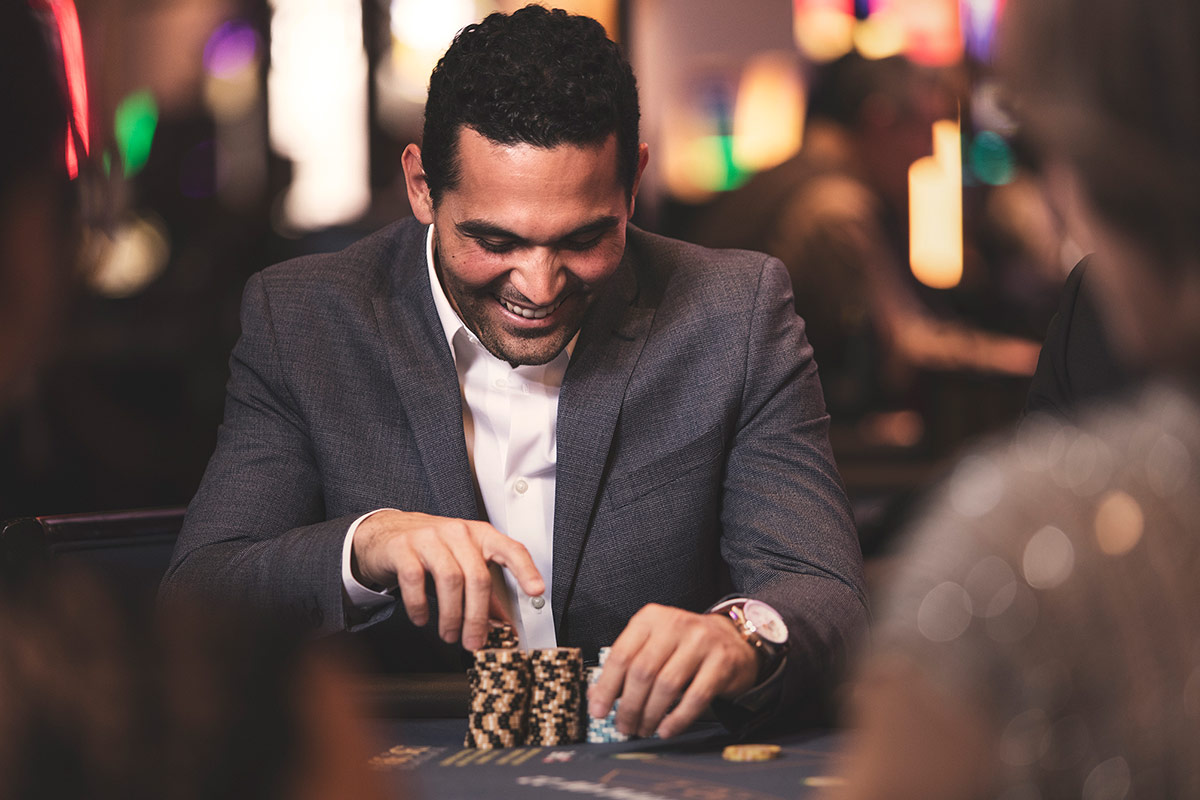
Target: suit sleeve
{"x": 256, "y": 530}
{"x": 788, "y": 534}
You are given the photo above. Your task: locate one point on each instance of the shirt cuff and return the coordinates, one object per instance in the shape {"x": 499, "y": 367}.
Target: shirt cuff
{"x": 357, "y": 595}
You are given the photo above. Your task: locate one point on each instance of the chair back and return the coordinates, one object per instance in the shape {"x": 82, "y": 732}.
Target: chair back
{"x": 132, "y": 547}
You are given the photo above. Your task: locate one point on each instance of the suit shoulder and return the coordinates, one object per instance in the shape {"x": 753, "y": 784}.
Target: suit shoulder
{"x": 668, "y": 267}
{"x": 367, "y": 266}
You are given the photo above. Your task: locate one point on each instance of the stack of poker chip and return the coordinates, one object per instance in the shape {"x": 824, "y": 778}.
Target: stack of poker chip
{"x": 603, "y": 729}
{"x": 499, "y": 684}
{"x": 500, "y": 635}
{"x": 556, "y": 697}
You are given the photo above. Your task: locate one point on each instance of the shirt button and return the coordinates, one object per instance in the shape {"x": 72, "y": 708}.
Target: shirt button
{"x": 500, "y": 383}
{"x": 537, "y": 602}
{"x": 521, "y": 486}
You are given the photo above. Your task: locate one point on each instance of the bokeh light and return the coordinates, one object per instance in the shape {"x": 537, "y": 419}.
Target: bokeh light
{"x": 135, "y": 122}
{"x": 945, "y": 612}
{"x": 992, "y": 586}
{"x": 232, "y": 48}
{"x": 976, "y": 486}
{"x": 927, "y": 31}
{"x": 1049, "y": 558}
{"x": 131, "y": 259}
{"x": 824, "y": 33}
{"x": 879, "y": 36}
{"x": 70, "y": 40}
{"x": 768, "y": 112}
{"x": 317, "y": 110}
{"x": 935, "y": 210}
{"x": 1119, "y": 523}
{"x": 421, "y": 32}
{"x": 1110, "y": 778}
{"x": 991, "y": 159}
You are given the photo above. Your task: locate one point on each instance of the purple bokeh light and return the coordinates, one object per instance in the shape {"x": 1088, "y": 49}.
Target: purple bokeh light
{"x": 232, "y": 47}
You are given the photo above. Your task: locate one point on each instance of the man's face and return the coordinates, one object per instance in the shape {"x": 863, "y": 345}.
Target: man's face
{"x": 526, "y": 239}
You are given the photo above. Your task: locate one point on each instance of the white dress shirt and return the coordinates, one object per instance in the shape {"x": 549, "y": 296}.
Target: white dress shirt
{"x": 510, "y": 420}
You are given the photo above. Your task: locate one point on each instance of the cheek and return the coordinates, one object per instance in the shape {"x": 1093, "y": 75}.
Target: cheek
{"x": 593, "y": 267}
{"x": 474, "y": 270}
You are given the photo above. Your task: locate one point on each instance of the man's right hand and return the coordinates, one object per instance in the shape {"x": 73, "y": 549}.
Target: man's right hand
{"x": 399, "y": 547}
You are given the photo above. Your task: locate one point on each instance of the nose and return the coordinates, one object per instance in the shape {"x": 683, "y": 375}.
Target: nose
{"x": 540, "y": 277}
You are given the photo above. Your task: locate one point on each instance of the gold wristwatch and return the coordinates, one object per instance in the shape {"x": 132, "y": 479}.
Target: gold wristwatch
{"x": 763, "y": 629}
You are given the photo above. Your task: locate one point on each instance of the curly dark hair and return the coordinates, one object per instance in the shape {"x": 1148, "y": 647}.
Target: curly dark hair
{"x": 538, "y": 76}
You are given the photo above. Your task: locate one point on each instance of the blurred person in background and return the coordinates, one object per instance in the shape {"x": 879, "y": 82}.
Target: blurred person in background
{"x": 36, "y": 203}
{"x": 836, "y": 214}
{"x": 1078, "y": 364}
{"x": 97, "y": 699}
{"x": 1042, "y": 638}
{"x": 101, "y": 701}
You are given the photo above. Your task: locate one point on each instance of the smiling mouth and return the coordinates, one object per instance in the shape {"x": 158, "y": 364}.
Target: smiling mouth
{"x": 531, "y": 313}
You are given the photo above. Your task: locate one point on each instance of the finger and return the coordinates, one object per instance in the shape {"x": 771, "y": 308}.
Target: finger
{"x": 509, "y": 553}
{"x": 448, "y": 581}
{"x": 476, "y": 590}
{"x": 672, "y": 679}
{"x": 640, "y": 675}
{"x": 602, "y": 696}
{"x": 496, "y": 609}
{"x": 709, "y": 679}
{"x": 410, "y": 576}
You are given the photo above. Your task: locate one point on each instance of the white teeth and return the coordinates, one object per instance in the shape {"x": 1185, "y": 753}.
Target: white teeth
{"x": 529, "y": 313}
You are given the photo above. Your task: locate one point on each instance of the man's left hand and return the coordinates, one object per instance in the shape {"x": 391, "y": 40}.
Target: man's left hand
{"x": 664, "y": 653}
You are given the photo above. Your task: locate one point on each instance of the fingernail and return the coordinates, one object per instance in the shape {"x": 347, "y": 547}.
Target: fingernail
{"x": 596, "y": 709}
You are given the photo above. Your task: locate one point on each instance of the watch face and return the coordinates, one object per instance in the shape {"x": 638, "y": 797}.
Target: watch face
{"x": 766, "y": 621}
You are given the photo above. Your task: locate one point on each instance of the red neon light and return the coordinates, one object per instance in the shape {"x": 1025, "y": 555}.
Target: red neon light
{"x": 66, "y": 17}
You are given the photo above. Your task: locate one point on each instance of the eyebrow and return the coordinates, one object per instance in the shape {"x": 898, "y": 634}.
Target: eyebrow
{"x": 484, "y": 229}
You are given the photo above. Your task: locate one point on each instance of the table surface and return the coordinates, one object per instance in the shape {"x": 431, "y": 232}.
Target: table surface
{"x": 424, "y": 758}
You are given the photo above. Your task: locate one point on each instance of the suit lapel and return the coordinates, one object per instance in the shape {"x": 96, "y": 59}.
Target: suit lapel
{"x": 427, "y": 383}
{"x": 589, "y": 404}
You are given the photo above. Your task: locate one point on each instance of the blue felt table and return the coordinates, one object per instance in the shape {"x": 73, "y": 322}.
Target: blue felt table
{"x": 424, "y": 758}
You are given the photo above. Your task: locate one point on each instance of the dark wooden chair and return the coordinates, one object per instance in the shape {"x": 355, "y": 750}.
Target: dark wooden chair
{"x": 131, "y": 547}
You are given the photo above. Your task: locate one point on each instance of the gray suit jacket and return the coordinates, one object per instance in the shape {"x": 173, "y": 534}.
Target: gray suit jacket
{"x": 693, "y": 456}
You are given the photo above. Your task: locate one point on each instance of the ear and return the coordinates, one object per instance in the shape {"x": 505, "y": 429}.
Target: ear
{"x": 643, "y": 158}
{"x": 418, "y": 188}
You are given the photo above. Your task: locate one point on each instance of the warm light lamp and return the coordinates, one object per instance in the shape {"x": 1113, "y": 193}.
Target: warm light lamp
{"x": 768, "y": 116}
{"x": 935, "y": 210}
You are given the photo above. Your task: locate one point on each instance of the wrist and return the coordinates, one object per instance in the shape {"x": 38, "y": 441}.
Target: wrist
{"x": 362, "y": 535}
{"x": 762, "y": 628}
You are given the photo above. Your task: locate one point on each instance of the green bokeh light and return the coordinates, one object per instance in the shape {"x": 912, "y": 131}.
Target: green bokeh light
{"x": 991, "y": 159}
{"x": 134, "y": 126}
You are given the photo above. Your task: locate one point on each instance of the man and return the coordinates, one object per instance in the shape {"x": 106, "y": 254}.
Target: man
{"x": 639, "y": 420}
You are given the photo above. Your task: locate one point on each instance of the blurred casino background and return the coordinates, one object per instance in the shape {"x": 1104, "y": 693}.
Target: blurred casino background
{"x": 860, "y": 140}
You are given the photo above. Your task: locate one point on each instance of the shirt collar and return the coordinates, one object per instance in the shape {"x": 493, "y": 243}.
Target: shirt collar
{"x": 452, "y": 324}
